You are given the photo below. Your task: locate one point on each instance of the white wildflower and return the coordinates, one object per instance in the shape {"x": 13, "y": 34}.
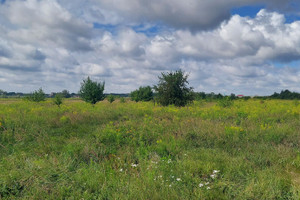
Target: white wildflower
{"x": 178, "y": 179}
{"x": 201, "y": 185}
{"x": 206, "y": 183}
{"x": 121, "y": 170}
{"x": 134, "y": 165}
{"x": 213, "y": 176}
{"x": 169, "y": 161}
{"x": 216, "y": 171}
{"x": 208, "y": 188}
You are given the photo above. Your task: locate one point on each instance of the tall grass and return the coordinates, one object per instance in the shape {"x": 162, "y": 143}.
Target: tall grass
{"x": 130, "y": 150}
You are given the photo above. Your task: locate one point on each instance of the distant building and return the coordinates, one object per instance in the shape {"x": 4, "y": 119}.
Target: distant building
{"x": 240, "y": 96}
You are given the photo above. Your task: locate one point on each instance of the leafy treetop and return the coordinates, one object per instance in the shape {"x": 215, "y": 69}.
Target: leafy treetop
{"x": 91, "y": 91}
{"x": 172, "y": 89}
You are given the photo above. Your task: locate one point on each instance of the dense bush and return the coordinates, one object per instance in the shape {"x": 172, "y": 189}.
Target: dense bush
{"x": 66, "y": 94}
{"x": 286, "y": 94}
{"x": 225, "y": 102}
{"x": 142, "y": 94}
{"x": 91, "y": 91}
{"x": 110, "y": 98}
{"x": 58, "y": 99}
{"x": 37, "y": 96}
{"x": 172, "y": 89}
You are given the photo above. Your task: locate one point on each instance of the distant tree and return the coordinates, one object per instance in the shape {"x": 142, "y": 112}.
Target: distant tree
{"x": 142, "y": 94}
{"x": 91, "y": 91}
{"x": 110, "y": 98}
{"x": 286, "y": 94}
{"x": 37, "y": 96}
{"x": 232, "y": 96}
{"x": 3, "y": 94}
{"x": 58, "y": 99}
{"x": 200, "y": 95}
{"x": 66, "y": 94}
{"x": 172, "y": 89}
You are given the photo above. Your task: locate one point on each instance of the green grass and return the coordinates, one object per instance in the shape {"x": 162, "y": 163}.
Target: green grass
{"x": 142, "y": 151}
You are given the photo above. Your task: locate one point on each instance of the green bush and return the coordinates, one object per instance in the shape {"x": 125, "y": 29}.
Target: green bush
{"x": 37, "y": 96}
{"x": 142, "y": 94}
{"x": 122, "y": 100}
{"x": 91, "y": 91}
{"x": 58, "y": 99}
{"x": 172, "y": 89}
{"x": 110, "y": 98}
{"x": 225, "y": 102}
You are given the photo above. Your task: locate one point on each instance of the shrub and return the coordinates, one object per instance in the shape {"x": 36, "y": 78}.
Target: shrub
{"x": 142, "y": 94}
{"x": 37, "y": 96}
{"x": 172, "y": 89}
{"x": 58, "y": 99}
{"x": 66, "y": 94}
{"x": 91, "y": 91}
{"x": 110, "y": 98}
{"x": 122, "y": 100}
{"x": 225, "y": 102}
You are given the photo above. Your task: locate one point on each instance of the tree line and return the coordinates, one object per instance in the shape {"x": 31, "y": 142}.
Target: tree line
{"x": 171, "y": 89}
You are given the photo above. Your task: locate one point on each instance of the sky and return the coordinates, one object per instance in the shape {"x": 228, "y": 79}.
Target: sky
{"x": 249, "y": 47}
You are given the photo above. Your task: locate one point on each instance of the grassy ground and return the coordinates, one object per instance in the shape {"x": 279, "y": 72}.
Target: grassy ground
{"x": 250, "y": 150}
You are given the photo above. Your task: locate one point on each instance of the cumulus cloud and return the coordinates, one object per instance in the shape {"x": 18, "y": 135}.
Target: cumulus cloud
{"x": 190, "y": 14}
{"x": 45, "y": 23}
{"x": 53, "y": 44}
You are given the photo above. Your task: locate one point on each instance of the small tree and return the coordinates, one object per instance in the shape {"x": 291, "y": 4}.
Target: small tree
{"x": 37, "y": 96}
{"x": 2, "y": 94}
{"x": 110, "y": 98}
{"x": 122, "y": 100}
{"x": 142, "y": 94}
{"x": 91, "y": 91}
{"x": 172, "y": 89}
{"x": 66, "y": 94}
{"x": 58, "y": 99}
{"x": 225, "y": 102}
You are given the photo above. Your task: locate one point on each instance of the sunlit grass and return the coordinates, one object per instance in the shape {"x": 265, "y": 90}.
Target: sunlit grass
{"x": 249, "y": 150}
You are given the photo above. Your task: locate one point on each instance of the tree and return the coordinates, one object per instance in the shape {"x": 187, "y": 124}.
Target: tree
{"x": 142, "y": 94}
{"x": 3, "y": 94}
{"x": 37, "y": 96}
{"x": 58, "y": 99}
{"x": 91, "y": 91}
{"x": 122, "y": 100}
{"x": 66, "y": 94}
{"x": 172, "y": 89}
{"x": 110, "y": 98}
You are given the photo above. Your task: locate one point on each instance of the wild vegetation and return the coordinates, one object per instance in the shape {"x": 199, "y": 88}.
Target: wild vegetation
{"x": 172, "y": 89}
{"x": 142, "y": 94}
{"x": 91, "y": 91}
{"x": 129, "y": 150}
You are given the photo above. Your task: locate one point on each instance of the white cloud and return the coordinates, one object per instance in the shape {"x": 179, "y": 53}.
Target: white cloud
{"x": 45, "y": 23}
{"x": 191, "y": 14}
{"x": 52, "y": 44}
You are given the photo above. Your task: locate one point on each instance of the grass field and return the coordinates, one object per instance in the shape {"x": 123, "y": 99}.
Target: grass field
{"x": 130, "y": 150}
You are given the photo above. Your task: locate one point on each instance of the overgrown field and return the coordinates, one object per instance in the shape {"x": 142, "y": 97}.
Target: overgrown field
{"x": 130, "y": 150}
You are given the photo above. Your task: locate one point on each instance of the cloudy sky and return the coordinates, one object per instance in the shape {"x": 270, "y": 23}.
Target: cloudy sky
{"x": 235, "y": 46}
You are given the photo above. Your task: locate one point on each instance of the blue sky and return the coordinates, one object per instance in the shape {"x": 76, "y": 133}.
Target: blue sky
{"x": 245, "y": 11}
{"x": 249, "y": 47}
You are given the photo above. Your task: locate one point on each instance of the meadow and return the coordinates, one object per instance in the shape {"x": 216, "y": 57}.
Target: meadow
{"x": 250, "y": 150}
